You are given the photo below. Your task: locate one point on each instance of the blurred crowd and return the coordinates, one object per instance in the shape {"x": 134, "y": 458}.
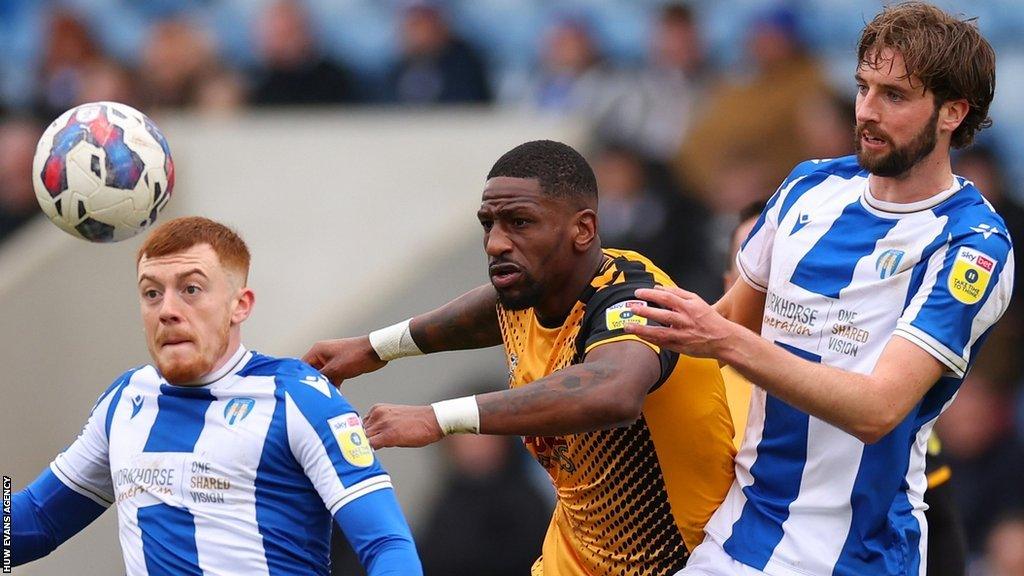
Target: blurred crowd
{"x": 694, "y": 111}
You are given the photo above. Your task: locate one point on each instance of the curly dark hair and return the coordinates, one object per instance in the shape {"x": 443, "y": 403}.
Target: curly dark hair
{"x": 947, "y": 54}
{"x": 561, "y": 170}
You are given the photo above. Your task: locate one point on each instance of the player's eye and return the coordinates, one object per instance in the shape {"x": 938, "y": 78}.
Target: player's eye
{"x": 862, "y": 89}
{"x": 487, "y": 224}
{"x": 520, "y": 222}
{"x": 192, "y": 289}
{"x": 895, "y": 96}
{"x": 150, "y": 294}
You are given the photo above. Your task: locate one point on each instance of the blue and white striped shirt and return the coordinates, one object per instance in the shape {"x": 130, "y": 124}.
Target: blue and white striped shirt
{"x": 843, "y": 273}
{"x": 239, "y": 476}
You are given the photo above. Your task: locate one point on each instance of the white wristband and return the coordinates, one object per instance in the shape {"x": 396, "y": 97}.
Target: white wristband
{"x": 395, "y": 341}
{"x": 458, "y": 415}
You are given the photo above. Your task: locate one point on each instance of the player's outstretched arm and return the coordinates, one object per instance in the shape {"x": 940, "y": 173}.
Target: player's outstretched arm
{"x": 376, "y": 529}
{"x": 72, "y": 492}
{"x": 606, "y": 390}
{"x": 867, "y": 406}
{"x": 742, "y": 305}
{"x": 470, "y": 321}
{"x": 44, "y": 515}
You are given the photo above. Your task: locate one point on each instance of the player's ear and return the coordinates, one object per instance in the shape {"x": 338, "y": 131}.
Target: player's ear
{"x": 244, "y": 301}
{"x": 952, "y": 114}
{"x": 584, "y": 229}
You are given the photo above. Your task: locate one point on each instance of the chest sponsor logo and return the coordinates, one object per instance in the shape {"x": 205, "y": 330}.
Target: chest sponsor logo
{"x": 237, "y": 409}
{"x": 788, "y": 316}
{"x": 355, "y": 447}
{"x": 846, "y": 337}
{"x": 618, "y": 315}
{"x": 205, "y": 485}
{"x": 171, "y": 479}
{"x": 970, "y": 275}
{"x": 888, "y": 262}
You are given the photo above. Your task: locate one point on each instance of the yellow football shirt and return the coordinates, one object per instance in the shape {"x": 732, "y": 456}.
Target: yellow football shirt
{"x": 633, "y": 500}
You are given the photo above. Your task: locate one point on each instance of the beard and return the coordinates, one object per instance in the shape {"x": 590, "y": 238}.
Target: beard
{"x": 521, "y": 297}
{"x": 186, "y": 369}
{"x": 902, "y": 158}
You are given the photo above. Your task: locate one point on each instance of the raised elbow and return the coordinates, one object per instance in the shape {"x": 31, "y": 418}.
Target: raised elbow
{"x": 618, "y": 410}
{"x": 872, "y": 430}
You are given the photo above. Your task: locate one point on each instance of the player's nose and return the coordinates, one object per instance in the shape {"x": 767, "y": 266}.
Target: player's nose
{"x": 170, "y": 308}
{"x": 866, "y": 109}
{"x": 497, "y": 242}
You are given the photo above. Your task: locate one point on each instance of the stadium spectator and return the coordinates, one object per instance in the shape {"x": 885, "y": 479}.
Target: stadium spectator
{"x": 651, "y": 108}
{"x": 824, "y": 124}
{"x": 754, "y": 118}
{"x": 489, "y": 517}
{"x": 572, "y": 70}
{"x": 658, "y": 223}
{"x": 293, "y": 69}
{"x": 866, "y": 286}
{"x": 1004, "y": 551}
{"x": 108, "y": 81}
{"x": 176, "y": 58}
{"x": 218, "y": 458}
{"x": 18, "y": 137}
{"x": 69, "y": 53}
{"x": 436, "y": 66}
{"x": 221, "y": 92}
{"x": 977, "y": 436}
{"x": 637, "y": 443}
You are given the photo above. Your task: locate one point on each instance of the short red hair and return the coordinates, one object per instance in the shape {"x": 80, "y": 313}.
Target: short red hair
{"x": 181, "y": 234}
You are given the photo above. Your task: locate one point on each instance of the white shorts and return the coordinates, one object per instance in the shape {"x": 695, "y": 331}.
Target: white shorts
{"x": 708, "y": 559}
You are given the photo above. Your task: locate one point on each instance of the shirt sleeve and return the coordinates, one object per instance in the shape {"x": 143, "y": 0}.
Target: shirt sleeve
{"x": 377, "y": 530}
{"x": 44, "y": 515}
{"x": 85, "y": 466}
{"x": 326, "y": 437}
{"x": 962, "y": 290}
{"x": 754, "y": 259}
{"x": 608, "y": 314}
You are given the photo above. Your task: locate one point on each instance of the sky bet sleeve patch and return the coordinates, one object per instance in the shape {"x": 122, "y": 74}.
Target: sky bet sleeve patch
{"x": 970, "y": 275}
{"x": 618, "y": 315}
{"x": 348, "y": 431}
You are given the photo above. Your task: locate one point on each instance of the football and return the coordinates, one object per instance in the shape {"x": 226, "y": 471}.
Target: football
{"x": 102, "y": 171}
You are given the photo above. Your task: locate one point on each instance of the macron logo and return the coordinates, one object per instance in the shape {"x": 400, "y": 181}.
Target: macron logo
{"x": 318, "y": 382}
{"x": 985, "y": 230}
{"x": 801, "y": 221}
{"x": 137, "y": 405}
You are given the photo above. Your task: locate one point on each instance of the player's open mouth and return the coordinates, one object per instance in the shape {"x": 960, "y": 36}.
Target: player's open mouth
{"x": 504, "y": 275}
{"x": 871, "y": 141}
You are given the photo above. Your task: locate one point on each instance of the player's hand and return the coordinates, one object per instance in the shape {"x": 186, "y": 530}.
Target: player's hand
{"x": 689, "y": 325}
{"x": 342, "y": 359}
{"x": 403, "y": 426}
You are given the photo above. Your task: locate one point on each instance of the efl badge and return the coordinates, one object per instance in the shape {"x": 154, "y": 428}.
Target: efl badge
{"x": 355, "y": 447}
{"x": 971, "y": 273}
{"x": 618, "y": 315}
